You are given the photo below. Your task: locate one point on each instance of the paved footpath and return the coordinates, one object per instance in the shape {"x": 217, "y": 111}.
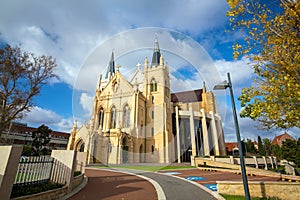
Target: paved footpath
{"x": 106, "y": 184}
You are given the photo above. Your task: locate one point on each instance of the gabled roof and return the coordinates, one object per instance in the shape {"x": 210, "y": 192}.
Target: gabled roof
{"x": 281, "y": 138}
{"x": 230, "y": 146}
{"x": 123, "y": 84}
{"x": 187, "y": 96}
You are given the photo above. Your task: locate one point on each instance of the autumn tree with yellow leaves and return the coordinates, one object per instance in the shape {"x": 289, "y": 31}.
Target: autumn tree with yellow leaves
{"x": 270, "y": 33}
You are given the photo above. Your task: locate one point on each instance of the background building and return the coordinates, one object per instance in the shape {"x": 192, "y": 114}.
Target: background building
{"x": 139, "y": 120}
{"x": 281, "y": 138}
{"x": 20, "y": 133}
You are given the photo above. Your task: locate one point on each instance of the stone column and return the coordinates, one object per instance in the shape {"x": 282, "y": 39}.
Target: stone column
{"x": 265, "y": 161}
{"x": 220, "y": 135}
{"x": 214, "y": 134}
{"x": 275, "y": 162}
{"x": 231, "y": 160}
{"x": 270, "y": 157}
{"x": 205, "y": 138}
{"x": 96, "y": 122}
{"x": 255, "y": 160}
{"x": 177, "y": 135}
{"x": 166, "y": 134}
{"x": 10, "y": 158}
{"x": 192, "y": 131}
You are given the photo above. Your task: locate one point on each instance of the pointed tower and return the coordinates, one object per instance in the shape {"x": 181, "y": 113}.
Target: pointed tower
{"x": 157, "y": 91}
{"x": 111, "y": 67}
{"x": 111, "y": 70}
{"x": 156, "y": 54}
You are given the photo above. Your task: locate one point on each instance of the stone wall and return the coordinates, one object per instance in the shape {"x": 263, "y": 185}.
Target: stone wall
{"x": 282, "y": 190}
{"x": 53, "y": 194}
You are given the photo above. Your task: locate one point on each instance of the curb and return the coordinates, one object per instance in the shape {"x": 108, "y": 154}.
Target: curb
{"x": 76, "y": 190}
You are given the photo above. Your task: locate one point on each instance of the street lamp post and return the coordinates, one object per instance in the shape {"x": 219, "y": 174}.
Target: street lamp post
{"x": 223, "y": 86}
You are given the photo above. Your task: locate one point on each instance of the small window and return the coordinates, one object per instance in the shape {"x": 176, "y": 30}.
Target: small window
{"x": 153, "y": 86}
{"x": 152, "y": 99}
{"x": 152, "y": 131}
{"x": 152, "y": 114}
{"x": 152, "y": 149}
{"x": 101, "y": 118}
{"x": 142, "y": 129}
{"x": 113, "y": 118}
{"x": 115, "y": 86}
{"x": 126, "y": 117}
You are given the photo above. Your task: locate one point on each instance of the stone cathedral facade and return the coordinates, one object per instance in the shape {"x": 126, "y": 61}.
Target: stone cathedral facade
{"x": 140, "y": 120}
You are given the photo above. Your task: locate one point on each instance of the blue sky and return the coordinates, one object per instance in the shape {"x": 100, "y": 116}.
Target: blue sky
{"x": 81, "y": 36}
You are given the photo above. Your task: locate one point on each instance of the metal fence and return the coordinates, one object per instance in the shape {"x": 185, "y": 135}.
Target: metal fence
{"x": 40, "y": 169}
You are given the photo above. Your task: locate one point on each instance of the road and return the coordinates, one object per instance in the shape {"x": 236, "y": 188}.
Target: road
{"x": 175, "y": 188}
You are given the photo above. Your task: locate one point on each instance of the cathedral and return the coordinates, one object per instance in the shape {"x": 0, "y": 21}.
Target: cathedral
{"x": 139, "y": 120}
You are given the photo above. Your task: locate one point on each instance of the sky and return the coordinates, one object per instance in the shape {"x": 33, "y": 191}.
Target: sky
{"x": 82, "y": 34}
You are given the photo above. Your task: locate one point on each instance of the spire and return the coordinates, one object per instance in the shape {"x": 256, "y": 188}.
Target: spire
{"x": 111, "y": 67}
{"x": 156, "y": 54}
{"x": 204, "y": 87}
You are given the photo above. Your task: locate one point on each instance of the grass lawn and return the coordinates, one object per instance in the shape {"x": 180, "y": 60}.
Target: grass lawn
{"x": 150, "y": 168}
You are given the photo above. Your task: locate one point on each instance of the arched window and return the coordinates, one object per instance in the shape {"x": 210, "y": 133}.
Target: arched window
{"x": 153, "y": 86}
{"x": 115, "y": 86}
{"x": 101, "y": 118}
{"x": 126, "y": 116}
{"x": 113, "y": 117}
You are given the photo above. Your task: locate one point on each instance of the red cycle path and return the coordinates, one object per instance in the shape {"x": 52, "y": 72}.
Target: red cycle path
{"x": 104, "y": 184}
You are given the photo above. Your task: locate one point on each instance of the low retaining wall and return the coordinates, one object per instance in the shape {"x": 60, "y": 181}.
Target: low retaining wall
{"x": 53, "y": 194}
{"x": 282, "y": 190}
{"x": 237, "y": 168}
{"x": 77, "y": 181}
{"x": 47, "y": 195}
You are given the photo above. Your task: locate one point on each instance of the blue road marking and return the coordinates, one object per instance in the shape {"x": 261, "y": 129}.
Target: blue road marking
{"x": 194, "y": 178}
{"x": 212, "y": 187}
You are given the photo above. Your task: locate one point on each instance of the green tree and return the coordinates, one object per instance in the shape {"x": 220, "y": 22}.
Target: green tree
{"x": 250, "y": 146}
{"x": 41, "y": 137}
{"x": 297, "y": 159}
{"x": 276, "y": 151}
{"x": 270, "y": 32}
{"x": 289, "y": 150}
{"x": 22, "y": 76}
{"x": 268, "y": 146}
{"x": 27, "y": 150}
{"x": 261, "y": 149}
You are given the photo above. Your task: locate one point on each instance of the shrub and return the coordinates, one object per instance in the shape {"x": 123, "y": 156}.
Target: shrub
{"x": 25, "y": 190}
{"x": 77, "y": 173}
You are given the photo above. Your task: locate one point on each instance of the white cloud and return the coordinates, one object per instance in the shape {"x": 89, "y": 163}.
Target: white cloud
{"x": 68, "y": 31}
{"x": 38, "y": 116}
{"x": 86, "y": 102}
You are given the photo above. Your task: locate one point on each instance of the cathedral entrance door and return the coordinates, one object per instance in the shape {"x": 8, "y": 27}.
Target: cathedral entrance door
{"x": 125, "y": 150}
{"x": 125, "y": 154}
